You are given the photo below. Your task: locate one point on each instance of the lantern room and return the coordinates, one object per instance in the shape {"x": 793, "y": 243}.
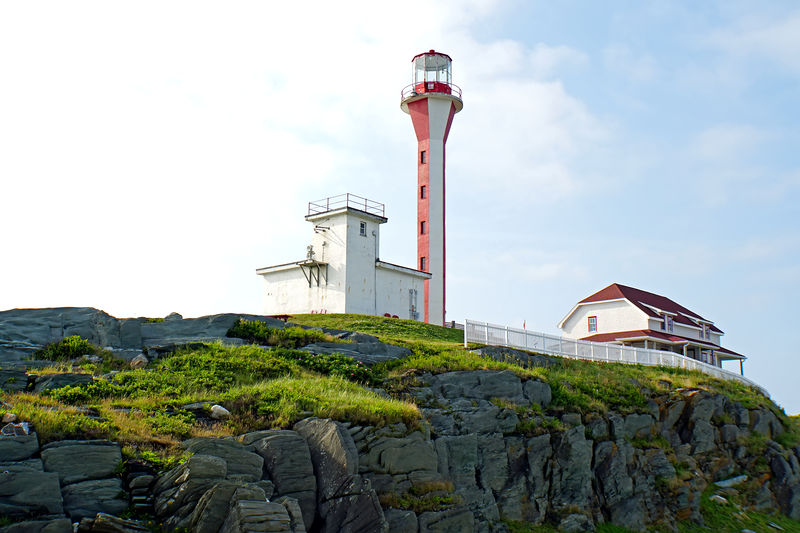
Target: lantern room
{"x": 432, "y": 73}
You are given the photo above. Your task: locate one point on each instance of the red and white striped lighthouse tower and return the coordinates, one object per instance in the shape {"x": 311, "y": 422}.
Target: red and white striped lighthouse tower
{"x": 432, "y": 100}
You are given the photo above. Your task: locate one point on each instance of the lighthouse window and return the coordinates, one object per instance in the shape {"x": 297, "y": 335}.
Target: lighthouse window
{"x": 423, "y": 192}
{"x": 422, "y": 264}
{"x": 423, "y": 157}
{"x": 362, "y": 230}
{"x": 422, "y": 227}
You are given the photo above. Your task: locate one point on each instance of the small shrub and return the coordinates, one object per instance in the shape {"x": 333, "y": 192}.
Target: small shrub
{"x": 254, "y": 331}
{"x": 334, "y": 364}
{"x": 67, "y": 348}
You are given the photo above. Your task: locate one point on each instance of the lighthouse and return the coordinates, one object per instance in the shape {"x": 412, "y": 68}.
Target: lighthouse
{"x": 432, "y": 100}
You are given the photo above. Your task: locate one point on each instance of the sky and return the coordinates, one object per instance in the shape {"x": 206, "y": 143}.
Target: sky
{"x": 154, "y": 154}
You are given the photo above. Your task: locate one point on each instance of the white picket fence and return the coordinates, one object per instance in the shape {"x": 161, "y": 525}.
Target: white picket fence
{"x": 495, "y": 335}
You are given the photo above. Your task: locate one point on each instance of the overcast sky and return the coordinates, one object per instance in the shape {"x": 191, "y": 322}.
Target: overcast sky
{"x": 154, "y": 154}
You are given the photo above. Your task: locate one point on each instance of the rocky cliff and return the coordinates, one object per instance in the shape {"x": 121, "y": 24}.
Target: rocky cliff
{"x": 490, "y": 453}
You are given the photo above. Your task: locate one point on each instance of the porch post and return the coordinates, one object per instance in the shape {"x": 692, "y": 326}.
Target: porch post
{"x": 741, "y": 366}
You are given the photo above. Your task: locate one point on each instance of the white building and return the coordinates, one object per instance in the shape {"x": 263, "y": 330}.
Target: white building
{"x": 342, "y": 272}
{"x": 633, "y": 317}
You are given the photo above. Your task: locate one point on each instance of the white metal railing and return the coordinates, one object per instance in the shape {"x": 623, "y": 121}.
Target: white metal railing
{"x": 341, "y": 201}
{"x": 493, "y": 334}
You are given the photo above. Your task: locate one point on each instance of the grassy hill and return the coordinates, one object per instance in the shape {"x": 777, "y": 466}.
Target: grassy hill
{"x": 151, "y": 410}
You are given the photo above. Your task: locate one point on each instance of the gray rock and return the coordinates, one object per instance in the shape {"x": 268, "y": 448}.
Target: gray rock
{"x": 525, "y": 359}
{"x": 388, "y": 455}
{"x": 28, "y": 465}
{"x": 368, "y": 353}
{"x": 732, "y": 482}
{"x": 539, "y": 455}
{"x": 763, "y": 421}
{"x": 82, "y": 461}
{"x": 571, "y": 419}
{"x": 598, "y": 428}
{"x": 611, "y": 473}
{"x": 295, "y": 513}
{"x": 401, "y": 521}
{"x": 353, "y": 508}
{"x": 492, "y": 461}
{"x": 538, "y": 392}
{"x": 213, "y": 507}
{"x": 56, "y": 525}
{"x": 19, "y": 447}
{"x": 450, "y": 521}
{"x": 572, "y": 478}
{"x": 219, "y": 413}
{"x": 241, "y": 463}
{"x": 57, "y": 381}
{"x": 576, "y": 523}
{"x": 140, "y": 361}
{"x": 106, "y": 523}
{"x": 479, "y": 385}
{"x": 639, "y": 426}
{"x": 703, "y": 437}
{"x": 458, "y": 458}
{"x": 87, "y": 498}
{"x": 287, "y": 461}
{"x": 13, "y": 380}
{"x": 256, "y": 516}
{"x": 485, "y": 418}
{"x": 28, "y": 493}
{"x": 333, "y": 453}
{"x": 729, "y": 433}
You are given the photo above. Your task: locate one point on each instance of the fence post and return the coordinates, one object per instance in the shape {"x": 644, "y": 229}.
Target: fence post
{"x": 506, "y": 336}
{"x": 466, "y": 328}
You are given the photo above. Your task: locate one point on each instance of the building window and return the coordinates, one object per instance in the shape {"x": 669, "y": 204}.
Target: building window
{"x": 423, "y": 264}
{"x": 423, "y": 157}
{"x": 592, "y": 324}
{"x": 706, "y": 332}
{"x": 668, "y": 322}
{"x": 362, "y": 230}
{"x": 422, "y": 227}
{"x": 423, "y": 192}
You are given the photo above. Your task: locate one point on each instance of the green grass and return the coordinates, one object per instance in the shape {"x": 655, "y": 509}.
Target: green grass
{"x": 255, "y": 331}
{"x": 386, "y": 329}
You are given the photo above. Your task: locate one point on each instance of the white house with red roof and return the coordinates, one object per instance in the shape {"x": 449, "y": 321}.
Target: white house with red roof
{"x": 624, "y": 315}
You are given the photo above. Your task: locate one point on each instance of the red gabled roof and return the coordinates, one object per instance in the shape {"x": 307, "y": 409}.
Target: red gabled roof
{"x": 641, "y": 299}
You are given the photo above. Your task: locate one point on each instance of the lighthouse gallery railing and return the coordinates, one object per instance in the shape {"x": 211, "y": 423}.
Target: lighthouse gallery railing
{"x": 495, "y": 335}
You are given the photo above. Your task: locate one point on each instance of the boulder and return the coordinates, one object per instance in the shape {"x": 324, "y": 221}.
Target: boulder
{"x": 638, "y": 426}
{"x": 18, "y": 447}
{"x": 354, "y": 507}
{"x": 140, "y": 361}
{"x": 241, "y": 462}
{"x": 87, "y": 498}
{"x": 81, "y": 460}
{"x": 25, "y": 493}
{"x": 295, "y": 513}
{"x": 287, "y": 462}
{"x": 576, "y": 523}
{"x": 458, "y": 458}
{"x": 219, "y": 413}
{"x": 213, "y": 507}
{"x": 28, "y": 465}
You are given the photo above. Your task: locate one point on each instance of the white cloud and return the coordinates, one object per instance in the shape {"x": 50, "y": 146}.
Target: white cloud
{"x": 727, "y": 142}
{"x": 547, "y": 60}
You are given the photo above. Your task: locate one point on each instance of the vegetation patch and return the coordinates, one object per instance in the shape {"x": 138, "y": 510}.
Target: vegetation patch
{"x": 387, "y": 329}
{"x": 431, "y": 496}
{"x": 255, "y": 331}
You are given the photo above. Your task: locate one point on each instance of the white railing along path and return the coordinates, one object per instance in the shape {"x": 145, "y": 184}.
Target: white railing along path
{"x": 493, "y": 334}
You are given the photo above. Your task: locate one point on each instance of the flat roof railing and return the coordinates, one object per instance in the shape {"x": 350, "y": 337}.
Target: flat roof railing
{"x": 343, "y": 201}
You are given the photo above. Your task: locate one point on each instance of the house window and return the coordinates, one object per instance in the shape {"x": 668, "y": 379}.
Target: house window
{"x": 668, "y": 322}
{"x": 422, "y": 227}
{"x": 592, "y": 324}
{"x": 706, "y": 332}
{"x": 423, "y": 157}
{"x": 362, "y": 230}
{"x": 423, "y": 264}
{"x": 423, "y": 192}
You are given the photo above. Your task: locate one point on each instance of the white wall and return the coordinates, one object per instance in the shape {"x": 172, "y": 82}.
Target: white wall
{"x": 287, "y": 292}
{"x": 393, "y": 296}
{"x": 612, "y": 316}
{"x": 685, "y": 331}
